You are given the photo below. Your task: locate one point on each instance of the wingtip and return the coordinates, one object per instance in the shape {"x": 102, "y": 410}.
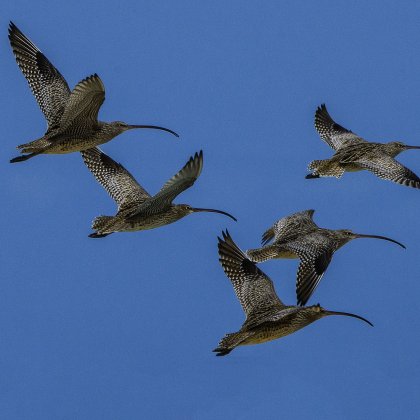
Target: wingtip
{"x": 226, "y": 234}
{"x": 321, "y": 107}
{"x": 12, "y": 28}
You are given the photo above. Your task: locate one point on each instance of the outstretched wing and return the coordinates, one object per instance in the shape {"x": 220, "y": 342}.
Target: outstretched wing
{"x": 386, "y": 167}
{"x": 315, "y": 253}
{"x": 184, "y": 179}
{"x": 332, "y": 133}
{"x": 84, "y": 103}
{"x": 287, "y": 226}
{"x": 119, "y": 183}
{"x": 47, "y": 84}
{"x": 253, "y": 288}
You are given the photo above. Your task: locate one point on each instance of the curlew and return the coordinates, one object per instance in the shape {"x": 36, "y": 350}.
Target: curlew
{"x": 267, "y": 317}
{"x": 138, "y": 210}
{"x": 72, "y": 116}
{"x": 353, "y": 153}
{"x": 297, "y": 236}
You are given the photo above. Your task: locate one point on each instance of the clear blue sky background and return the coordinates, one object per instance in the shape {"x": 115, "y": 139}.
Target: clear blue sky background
{"x": 123, "y": 328}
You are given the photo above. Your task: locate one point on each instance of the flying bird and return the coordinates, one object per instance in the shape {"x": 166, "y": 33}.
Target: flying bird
{"x": 267, "y": 317}
{"x": 353, "y": 153}
{"x": 297, "y": 236}
{"x": 137, "y": 209}
{"x": 72, "y": 116}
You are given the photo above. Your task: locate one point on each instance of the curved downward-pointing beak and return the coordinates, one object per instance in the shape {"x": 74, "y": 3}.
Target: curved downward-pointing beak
{"x": 359, "y": 235}
{"x": 215, "y": 211}
{"x": 327, "y": 313}
{"x": 153, "y": 127}
{"x": 412, "y": 147}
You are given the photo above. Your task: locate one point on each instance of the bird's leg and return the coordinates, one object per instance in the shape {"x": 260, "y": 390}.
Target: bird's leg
{"x": 311, "y": 176}
{"x": 24, "y": 157}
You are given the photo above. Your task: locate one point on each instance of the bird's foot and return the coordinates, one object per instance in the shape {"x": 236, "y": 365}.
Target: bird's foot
{"x": 24, "y": 157}
{"x": 19, "y": 159}
{"x": 98, "y": 235}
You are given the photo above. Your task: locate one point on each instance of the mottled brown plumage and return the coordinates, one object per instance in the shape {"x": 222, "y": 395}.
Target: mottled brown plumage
{"x": 72, "y": 116}
{"x": 137, "y": 209}
{"x": 353, "y": 153}
{"x": 267, "y": 317}
{"x": 297, "y": 236}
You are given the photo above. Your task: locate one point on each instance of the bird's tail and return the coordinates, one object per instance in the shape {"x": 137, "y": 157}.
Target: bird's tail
{"x": 262, "y": 254}
{"x": 325, "y": 168}
{"x": 101, "y": 223}
{"x": 229, "y": 342}
{"x": 34, "y": 146}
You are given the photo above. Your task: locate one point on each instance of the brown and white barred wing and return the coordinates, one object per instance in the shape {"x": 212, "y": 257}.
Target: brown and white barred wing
{"x": 386, "y": 167}
{"x": 289, "y": 226}
{"x": 117, "y": 181}
{"x": 184, "y": 179}
{"x": 315, "y": 252}
{"x": 332, "y": 133}
{"x": 83, "y": 105}
{"x": 47, "y": 84}
{"x": 254, "y": 289}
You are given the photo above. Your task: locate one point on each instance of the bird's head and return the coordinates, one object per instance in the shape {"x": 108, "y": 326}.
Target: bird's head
{"x": 120, "y": 126}
{"x": 185, "y": 209}
{"x": 394, "y": 148}
{"x": 317, "y": 312}
{"x": 345, "y": 235}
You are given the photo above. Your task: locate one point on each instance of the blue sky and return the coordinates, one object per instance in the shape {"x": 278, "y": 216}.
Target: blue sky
{"x": 124, "y": 327}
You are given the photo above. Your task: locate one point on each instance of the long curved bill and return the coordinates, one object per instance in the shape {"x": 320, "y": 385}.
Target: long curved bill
{"x": 215, "y": 211}
{"x": 412, "y": 147}
{"x": 348, "y": 314}
{"x": 380, "y": 237}
{"x": 154, "y": 127}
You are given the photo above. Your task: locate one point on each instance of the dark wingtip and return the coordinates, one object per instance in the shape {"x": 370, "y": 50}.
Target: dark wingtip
{"x": 311, "y": 176}
{"x": 12, "y": 27}
{"x": 321, "y": 108}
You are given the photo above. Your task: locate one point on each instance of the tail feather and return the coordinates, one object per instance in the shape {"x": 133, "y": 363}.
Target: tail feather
{"x": 100, "y": 224}
{"x": 262, "y": 254}
{"x": 325, "y": 168}
{"x": 34, "y": 146}
{"x": 229, "y": 342}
